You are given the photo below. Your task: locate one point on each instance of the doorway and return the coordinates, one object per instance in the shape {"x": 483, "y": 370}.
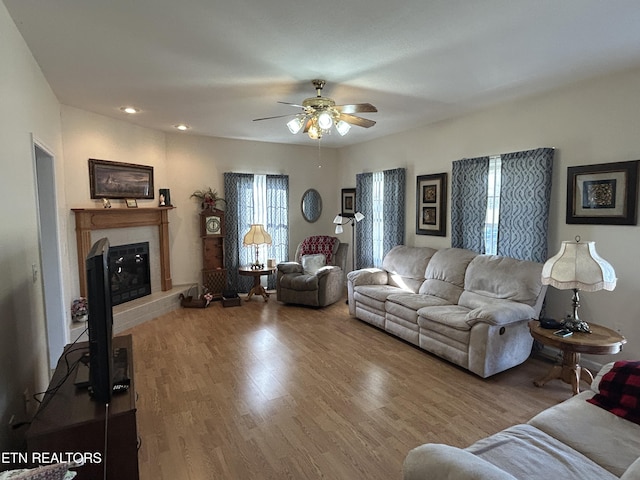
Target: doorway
{"x": 50, "y": 258}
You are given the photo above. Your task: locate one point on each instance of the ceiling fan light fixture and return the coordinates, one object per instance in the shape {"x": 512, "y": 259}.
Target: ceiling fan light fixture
{"x": 314, "y": 132}
{"x": 343, "y": 127}
{"x": 295, "y": 125}
{"x": 325, "y": 121}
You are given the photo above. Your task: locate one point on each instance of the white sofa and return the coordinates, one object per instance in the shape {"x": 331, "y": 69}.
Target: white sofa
{"x": 467, "y": 308}
{"x": 572, "y": 440}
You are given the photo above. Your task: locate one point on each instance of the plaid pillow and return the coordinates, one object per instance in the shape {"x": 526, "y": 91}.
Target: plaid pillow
{"x": 620, "y": 391}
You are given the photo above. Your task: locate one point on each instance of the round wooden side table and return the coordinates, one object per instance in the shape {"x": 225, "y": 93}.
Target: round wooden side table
{"x": 602, "y": 341}
{"x": 257, "y": 288}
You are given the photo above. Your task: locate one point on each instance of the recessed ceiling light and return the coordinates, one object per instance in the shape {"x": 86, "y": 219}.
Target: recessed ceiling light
{"x": 182, "y": 127}
{"x": 130, "y": 109}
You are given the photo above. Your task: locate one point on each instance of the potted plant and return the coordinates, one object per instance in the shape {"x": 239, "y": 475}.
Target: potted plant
{"x": 209, "y": 198}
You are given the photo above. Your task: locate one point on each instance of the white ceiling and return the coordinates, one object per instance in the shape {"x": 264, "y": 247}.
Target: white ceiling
{"x": 218, "y": 64}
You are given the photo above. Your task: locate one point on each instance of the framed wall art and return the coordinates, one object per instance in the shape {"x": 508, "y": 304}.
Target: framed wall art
{"x": 348, "y": 202}
{"x": 603, "y": 194}
{"x": 431, "y": 205}
{"x": 120, "y": 180}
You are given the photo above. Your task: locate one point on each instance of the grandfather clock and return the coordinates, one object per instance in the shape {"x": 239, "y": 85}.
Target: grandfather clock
{"x": 214, "y": 275}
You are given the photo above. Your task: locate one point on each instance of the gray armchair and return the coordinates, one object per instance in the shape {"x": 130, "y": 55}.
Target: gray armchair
{"x": 316, "y": 288}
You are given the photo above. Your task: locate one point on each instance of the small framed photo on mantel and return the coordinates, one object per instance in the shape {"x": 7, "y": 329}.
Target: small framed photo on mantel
{"x": 603, "y": 194}
{"x": 431, "y": 205}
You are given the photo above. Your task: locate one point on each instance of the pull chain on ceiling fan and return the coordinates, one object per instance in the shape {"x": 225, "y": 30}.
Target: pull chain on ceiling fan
{"x": 320, "y": 113}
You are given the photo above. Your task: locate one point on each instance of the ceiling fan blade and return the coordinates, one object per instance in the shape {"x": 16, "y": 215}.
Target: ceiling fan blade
{"x": 292, "y": 104}
{"x": 277, "y": 116}
{"x": 356, "y": 108}
{"x": 359, "y": 121}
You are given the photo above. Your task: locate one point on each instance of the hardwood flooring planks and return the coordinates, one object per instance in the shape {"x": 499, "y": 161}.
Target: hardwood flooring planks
{"x": 273, "y": 391}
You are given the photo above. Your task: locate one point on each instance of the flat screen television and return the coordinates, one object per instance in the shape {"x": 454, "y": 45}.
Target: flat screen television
{"x": 100, "y": 322}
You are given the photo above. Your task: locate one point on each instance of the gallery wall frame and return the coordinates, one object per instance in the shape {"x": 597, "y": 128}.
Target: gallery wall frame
{"x": 431, "y": 204}
{"x": 109, "y": 179}
{"x": 603, "y": 194}
{"x": 348, "y": 202}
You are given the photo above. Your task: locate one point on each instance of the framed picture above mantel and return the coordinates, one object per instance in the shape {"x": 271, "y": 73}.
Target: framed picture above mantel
{"x": 603, "y": 194}
{"x": 431, "y": 204}
{"x": 109, "y": 179}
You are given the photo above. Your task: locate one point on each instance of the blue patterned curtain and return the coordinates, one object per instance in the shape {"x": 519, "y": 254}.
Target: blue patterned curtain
{"x": 238, "y": 191}
{"x": 393, "y": 208}
{"x": 393, "y": 214}
{"x": 469, "y": 202}
{"x": 524, "y": 204}
{"x": 277, "y": 193}
{"x": 364, "y": 230}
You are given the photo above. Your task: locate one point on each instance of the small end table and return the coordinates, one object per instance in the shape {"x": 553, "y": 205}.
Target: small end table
{"x": 602, "y": 341}
{"x": 257, "y": 288}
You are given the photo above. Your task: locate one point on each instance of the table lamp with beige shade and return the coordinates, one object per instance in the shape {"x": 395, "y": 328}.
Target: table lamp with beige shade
{"x": 578, "y": 267}
{"x": 257, "y": 236}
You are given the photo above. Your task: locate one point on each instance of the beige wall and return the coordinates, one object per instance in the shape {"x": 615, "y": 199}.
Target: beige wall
{"x": 587, "y": 123}
{"x": 27, "y": 108}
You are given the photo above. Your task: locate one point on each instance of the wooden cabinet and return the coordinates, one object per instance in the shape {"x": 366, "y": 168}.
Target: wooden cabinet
{"x": 214, "y": 275}
{"x": 70, "y": 421}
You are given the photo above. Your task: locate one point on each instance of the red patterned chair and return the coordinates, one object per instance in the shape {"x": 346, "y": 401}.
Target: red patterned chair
{"x": 317, "y": 276}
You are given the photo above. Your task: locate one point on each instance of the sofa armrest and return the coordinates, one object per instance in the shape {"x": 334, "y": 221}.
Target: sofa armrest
{"x": 500, "y": 313}
{"x": 444, "y": 462}
{"x": 368, "y": 276}
{"x": 328, "y": 269}
{"x": 289, "y": 267}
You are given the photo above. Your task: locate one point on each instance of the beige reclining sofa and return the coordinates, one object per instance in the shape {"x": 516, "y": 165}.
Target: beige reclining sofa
{"x": 469, "y": 309}
{"x": 594, "y": 435}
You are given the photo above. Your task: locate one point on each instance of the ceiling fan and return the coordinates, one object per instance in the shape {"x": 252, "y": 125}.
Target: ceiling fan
{"x": 320, "y": 113}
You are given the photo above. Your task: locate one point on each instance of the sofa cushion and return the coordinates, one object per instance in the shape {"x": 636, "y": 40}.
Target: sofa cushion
{"x": 523, "y": 449}
{"x": 407, "y": 265}
{"x": 299, "y": 281}
{"x": 452, "y": 316}
{"x": 444, "y": 276}
{"x": 578, "y": 423}
{"x": 619, "y": 391}
{"x": 377, "y": 292}
{"x": 414, "y": 301}
{"x": 505, "y": 278}
{"x": 312, "y": 263}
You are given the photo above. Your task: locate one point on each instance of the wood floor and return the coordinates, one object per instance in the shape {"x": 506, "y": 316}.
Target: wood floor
{"x": 273, "y": 391}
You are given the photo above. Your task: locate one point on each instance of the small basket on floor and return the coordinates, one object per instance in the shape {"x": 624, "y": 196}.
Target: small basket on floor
{"x": 230, "y": 299}
{"x": 189, "y": 301}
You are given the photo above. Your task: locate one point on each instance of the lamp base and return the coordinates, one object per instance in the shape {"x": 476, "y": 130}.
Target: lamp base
{"x": 257, "y": 266}
{"x": 576, "y": 325}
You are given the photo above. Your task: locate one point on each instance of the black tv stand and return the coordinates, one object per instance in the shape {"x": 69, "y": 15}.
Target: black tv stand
{"x": 69, "y": 420}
